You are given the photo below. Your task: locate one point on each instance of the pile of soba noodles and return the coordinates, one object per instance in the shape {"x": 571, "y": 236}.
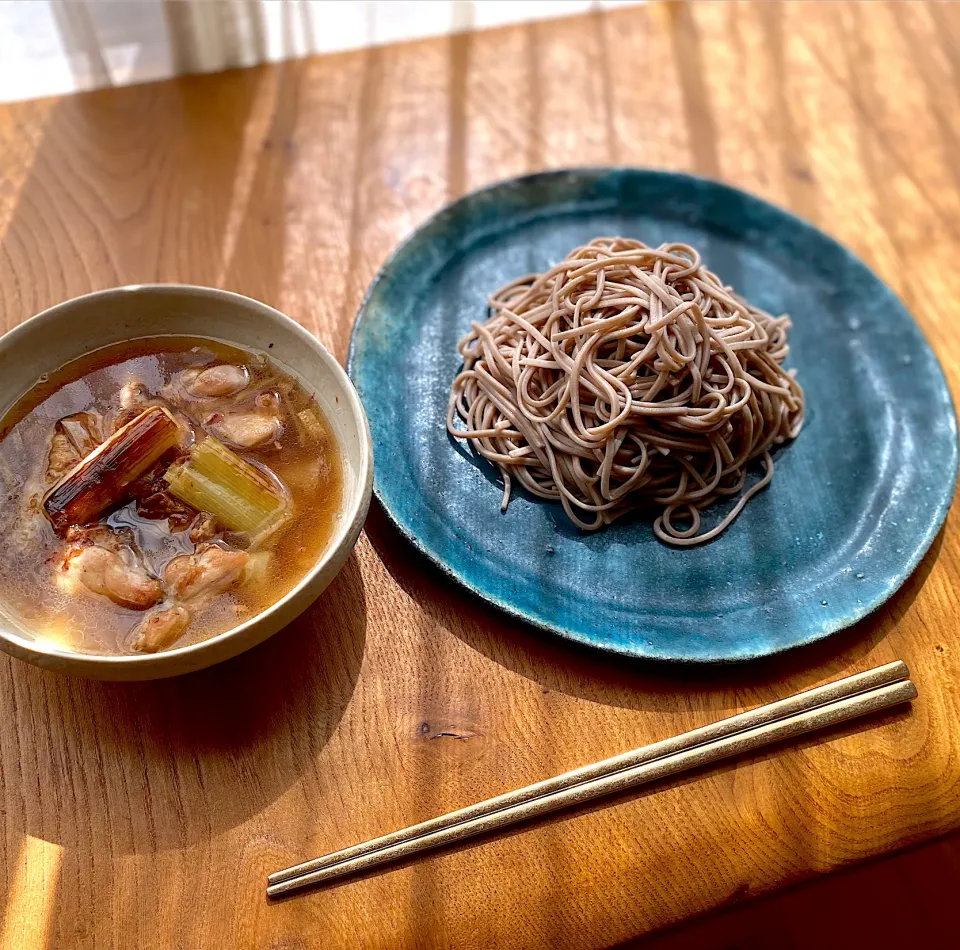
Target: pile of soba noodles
{"x": 627, "y": 376}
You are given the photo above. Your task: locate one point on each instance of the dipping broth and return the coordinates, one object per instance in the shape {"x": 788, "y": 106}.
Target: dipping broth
{"x": 159, "y": 492}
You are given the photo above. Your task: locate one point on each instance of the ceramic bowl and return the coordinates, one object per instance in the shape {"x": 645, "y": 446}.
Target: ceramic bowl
{"x": 75, "y": 327}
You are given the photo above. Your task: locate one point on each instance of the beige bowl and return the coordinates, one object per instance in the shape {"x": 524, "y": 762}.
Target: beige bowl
{"x": 76, "y": 327}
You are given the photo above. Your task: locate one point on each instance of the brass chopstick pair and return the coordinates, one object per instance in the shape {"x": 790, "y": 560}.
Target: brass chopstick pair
{"x": 818, "y": 708}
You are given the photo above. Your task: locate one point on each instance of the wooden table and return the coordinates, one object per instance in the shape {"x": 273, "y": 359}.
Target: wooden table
{"x": 149, "y": 814}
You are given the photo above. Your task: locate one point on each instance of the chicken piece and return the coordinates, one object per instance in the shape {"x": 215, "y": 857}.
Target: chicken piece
{"x": 150, "y": 483}
{"x": 252, "y": 428}
{"x": 161, "y": 629}
{"x": 201, "y": 576}
{"x": 74, "y": 437}
{"x": 22, "y": 522}
{"x": 84, "y": 430}
{"x": 100, "y": 534}
{"x": 205, "y": 528}
{"x": 26, "y": 535}
{"x": 134, "y": 397}
{"x": 11, "y": 487}
{"x": 161, "y": 504}
{"x": 62, "y": 457}
{"x": 215, "y": 381}
{"x": 107, "y": 563}
{"x": 247, "y": 430}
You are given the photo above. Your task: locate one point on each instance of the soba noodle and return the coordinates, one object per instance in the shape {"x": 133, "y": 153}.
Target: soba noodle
{"x": 627, "y": 376}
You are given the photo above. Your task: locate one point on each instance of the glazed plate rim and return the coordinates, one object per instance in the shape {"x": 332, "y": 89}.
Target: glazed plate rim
{"x": 926, "y": 538}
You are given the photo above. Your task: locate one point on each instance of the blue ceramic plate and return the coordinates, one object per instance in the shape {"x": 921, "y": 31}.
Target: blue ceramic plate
{"x": 855, "y": 501}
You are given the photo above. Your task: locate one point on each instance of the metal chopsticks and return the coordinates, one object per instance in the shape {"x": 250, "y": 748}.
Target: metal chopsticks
{"x": 818, "y": 708}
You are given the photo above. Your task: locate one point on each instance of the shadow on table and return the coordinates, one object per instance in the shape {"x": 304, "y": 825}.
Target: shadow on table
{"x": 182, "y": 759}
{"x": 567, "y": 667}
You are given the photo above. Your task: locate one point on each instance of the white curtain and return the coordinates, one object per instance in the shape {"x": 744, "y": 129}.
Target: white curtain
{"x": 49, "y": 47}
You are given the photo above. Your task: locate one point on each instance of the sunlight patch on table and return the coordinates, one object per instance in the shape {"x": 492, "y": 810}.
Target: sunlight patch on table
{"x": 30, "y": 901}
{"x": 256, "y": 131}
{"x": 19, "y": 143}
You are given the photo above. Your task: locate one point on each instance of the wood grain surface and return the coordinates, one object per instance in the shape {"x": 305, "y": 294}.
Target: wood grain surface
{"x": 149, "y": 814}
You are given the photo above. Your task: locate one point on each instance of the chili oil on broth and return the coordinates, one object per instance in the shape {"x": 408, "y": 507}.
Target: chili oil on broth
{"x": 308, "y": 464}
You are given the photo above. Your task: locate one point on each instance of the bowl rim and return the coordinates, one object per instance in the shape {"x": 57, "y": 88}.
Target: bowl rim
{"x": 179, "y": 657}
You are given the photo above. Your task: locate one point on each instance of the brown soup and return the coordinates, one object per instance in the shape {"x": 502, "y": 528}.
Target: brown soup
{"x": 100, "y": 561}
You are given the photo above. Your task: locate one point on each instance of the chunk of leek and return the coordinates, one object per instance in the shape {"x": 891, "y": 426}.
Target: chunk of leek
{"x": 236, "y": 493}
{"x": 103, "y": 478}
{"x": 311, "y": 427}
